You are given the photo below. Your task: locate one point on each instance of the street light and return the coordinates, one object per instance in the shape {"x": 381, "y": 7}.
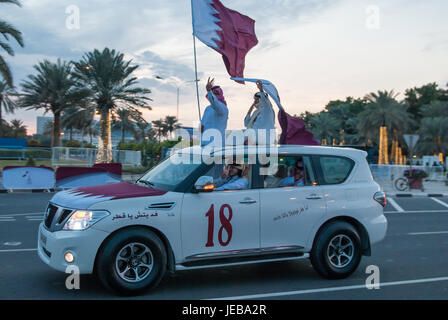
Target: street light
{"x": 178, "y": 90}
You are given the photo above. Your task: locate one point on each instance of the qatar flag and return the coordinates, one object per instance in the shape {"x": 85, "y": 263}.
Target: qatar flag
{"x": 227, "y": 31}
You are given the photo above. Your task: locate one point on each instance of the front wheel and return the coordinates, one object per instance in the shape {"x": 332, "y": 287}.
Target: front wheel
{"x": 132, "y": 262}
{"x": 336, "y": 251}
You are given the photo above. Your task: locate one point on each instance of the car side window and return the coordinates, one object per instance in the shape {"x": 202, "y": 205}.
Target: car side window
{"x": 228, "y": 181}
{"x": 291, "y": 171}
{"x": 335, "y": 170}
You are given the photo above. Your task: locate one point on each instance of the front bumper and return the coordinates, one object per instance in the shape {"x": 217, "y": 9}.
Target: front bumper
{"x": 84, "y": 246}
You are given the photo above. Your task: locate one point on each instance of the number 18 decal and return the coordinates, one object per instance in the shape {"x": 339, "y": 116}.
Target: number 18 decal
{"x": 225, "y": 225}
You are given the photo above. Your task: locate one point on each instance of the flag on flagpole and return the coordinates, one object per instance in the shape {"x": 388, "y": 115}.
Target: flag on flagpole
{"x": 226, "y": 31}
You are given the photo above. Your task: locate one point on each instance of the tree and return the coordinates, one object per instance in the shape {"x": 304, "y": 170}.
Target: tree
{"x": 171, "y": 123}
{"x": 53, "y": 90}
{"x": 325, "y": 126}
{"x": 417, "y": 97}
{"x": 142, "y": 132}
{"x": 7, "y": 31}
{"x": 128, "y": 119}
{"x": 18, "y": 130}
{"x": 383, "y": 110}
{"x": 160, "y": 129}
{"x": 433, "y": 136}
{"x": 6, "y": 103}
{"x": 112, "y": 84}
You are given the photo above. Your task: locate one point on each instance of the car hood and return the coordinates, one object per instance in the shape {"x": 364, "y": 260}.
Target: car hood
{"x": 83, "y": 198}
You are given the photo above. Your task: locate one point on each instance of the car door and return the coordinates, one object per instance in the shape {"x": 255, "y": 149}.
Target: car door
{"x": 289, "y": 213}
{"x": 220, "y": 223}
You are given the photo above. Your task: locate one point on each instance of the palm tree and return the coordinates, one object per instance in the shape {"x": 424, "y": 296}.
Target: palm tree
{"x": 142, "y": 132}
{"x": 159, "y": 128}
{"x": 111, "y": 81}
{"x": 171, "y": 124}
{"x": 6, "y": 103}
{"x": 53, "y": 90}
{"x": 383, "y": 110}
{"x": 18, "y": 130}
{"x": 433, "y": 136}
{"x": 325, "y": 126}
{"x": 128, "y": 119}
{"x": 7, "y": 30}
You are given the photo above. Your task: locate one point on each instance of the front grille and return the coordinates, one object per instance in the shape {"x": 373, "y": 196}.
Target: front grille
{"x": 51, "y": 212}
{"x": 64, "y": 215}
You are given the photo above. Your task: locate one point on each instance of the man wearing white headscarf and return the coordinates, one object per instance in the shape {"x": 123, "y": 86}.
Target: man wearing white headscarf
{"x": 263, "y": 118}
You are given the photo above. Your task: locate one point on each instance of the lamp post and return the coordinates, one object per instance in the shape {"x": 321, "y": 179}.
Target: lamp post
{"x": 178, "y": 86}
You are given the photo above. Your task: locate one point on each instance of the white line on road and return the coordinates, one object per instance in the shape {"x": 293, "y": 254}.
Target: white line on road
{"x": 440, "y": 202}
{"x": 299, "y": 292}
{"x": 420, "y": 211}
{"x": 7, "y": 220}
{"x": 17, "y": 250}
{"x": 395, "y": 205}
{"x": 26, "y": 214}
{"x": 427, "y": 233}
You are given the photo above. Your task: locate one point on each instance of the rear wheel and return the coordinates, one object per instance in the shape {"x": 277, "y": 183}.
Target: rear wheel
{"x": 132, "y": 262}
{"x": 336, "y": 251}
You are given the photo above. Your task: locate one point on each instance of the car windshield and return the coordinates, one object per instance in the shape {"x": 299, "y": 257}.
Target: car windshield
{"x": 168, "y": 175}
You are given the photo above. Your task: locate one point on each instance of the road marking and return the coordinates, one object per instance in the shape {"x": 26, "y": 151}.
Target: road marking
{"x": 12, "y": 244}
{"x": 427, "y": 233}
{"x": 395, "y": 205}
{"x": 310, "y": 291}
{"x": 26, "y": 214}
{"x": 440, "y": 202}
{"x": 17, "y": 250}
{"x": 7, "y": 220}
{"x": 420, "y": 211}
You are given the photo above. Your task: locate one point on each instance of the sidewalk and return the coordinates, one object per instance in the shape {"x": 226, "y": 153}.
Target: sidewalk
{"x": 430, "y": 189}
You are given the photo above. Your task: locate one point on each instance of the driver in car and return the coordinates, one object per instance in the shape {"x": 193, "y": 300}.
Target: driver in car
{"x": 232, "y": 179}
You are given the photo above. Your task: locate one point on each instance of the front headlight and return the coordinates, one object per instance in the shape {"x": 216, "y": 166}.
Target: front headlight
{"x": 82, "y": 220}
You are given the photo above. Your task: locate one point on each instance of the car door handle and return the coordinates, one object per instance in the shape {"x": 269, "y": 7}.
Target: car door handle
{"x": 314, "y": 197}
{"x": 248, "y": 201}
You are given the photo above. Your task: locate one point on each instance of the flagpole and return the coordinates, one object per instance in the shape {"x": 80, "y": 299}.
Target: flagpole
{"x": 195, "y": 63}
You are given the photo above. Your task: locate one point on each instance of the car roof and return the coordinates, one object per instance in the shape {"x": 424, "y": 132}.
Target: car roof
{"x": 282, "y": 150}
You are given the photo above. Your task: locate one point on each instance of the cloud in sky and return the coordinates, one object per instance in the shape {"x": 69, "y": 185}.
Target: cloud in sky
{"x": 313, "y": 50}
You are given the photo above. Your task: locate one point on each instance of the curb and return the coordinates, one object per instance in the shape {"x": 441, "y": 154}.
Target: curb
{"x": 28, "y": 191}
{"x": 422, "y": 195}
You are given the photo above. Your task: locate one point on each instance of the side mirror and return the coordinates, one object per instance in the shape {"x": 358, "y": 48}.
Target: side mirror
{"x": 204, "y": 184}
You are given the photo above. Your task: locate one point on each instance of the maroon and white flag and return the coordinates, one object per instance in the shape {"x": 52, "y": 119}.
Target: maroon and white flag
{"x": 227, "y": 31}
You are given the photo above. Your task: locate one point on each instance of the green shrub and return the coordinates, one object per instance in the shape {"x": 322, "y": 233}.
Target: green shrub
{"x": 33, "y": 143}
{"x": 31, "y": 162}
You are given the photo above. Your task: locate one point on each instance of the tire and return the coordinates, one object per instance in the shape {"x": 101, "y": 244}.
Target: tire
{"x": 132, "y": 262}
{"x": 329, "y": 262}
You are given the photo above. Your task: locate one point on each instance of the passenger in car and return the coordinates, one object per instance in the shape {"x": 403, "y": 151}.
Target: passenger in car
{"x": 297, "y": 179}
{"x": 273, "y": 181}
{"x": 232, "y": 178}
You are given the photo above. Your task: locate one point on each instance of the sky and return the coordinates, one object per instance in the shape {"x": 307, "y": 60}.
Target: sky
{"x": 314, "y": 51}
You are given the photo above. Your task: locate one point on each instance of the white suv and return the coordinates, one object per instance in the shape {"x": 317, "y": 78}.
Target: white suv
{"x": 300, "y": 202}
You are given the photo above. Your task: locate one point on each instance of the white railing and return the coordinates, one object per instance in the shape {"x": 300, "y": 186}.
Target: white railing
{"x": 87, "y": 157}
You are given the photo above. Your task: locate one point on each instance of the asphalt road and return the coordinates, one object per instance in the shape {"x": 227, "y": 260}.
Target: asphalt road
{"x": 412, "y": 260}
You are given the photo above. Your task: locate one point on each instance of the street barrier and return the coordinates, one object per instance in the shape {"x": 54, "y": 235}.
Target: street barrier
{"x": 86, "y": 157}
{"x": 77, "y": 177}
{"x": 16, "y": 177}
{"x": 386, "y": 175}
